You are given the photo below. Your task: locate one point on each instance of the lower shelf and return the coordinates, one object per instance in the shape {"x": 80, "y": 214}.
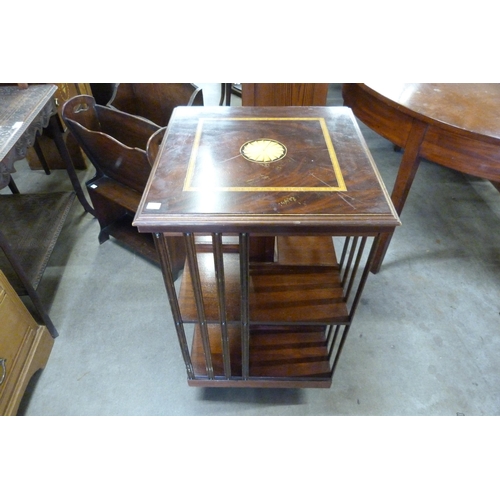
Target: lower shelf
{"x": 143, "y": 243}
{"x": 123, "y": 231}
{"x": 115, "y": 205}
{"x": 31, "y": 224}
{"x": 280, "y": 357}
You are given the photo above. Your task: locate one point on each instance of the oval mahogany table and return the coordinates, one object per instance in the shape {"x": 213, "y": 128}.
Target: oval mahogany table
{"x": 453, "y": 124}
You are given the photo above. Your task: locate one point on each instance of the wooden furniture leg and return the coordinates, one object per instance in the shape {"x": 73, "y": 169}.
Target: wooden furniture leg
{"x": 407, "y": 170}
{"x": 13, "y": 187}
{"x": 56, "y": 134}
{"x": 41, "y": 157}
{"x": 33, "y": 294}
{"x": 225, "y": 94}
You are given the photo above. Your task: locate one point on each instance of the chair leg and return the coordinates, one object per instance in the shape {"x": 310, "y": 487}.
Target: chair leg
{"x": 12, "y": 186}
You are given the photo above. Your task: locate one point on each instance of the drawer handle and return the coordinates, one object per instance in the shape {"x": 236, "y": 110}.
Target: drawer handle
{"x": 4, "y": 370}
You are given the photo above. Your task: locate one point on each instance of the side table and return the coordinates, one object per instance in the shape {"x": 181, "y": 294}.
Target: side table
{"x": 24, "y": 113}
{"x": 278, "y": 208}
{"x": 30, "y": 223}
{"x": 452, "y": 124}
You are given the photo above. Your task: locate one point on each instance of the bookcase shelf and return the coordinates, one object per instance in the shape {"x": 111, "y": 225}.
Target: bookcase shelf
{"x": 300, "y": 308}
{"x": 279, "y": 357}
{"x": 279, "y": 293}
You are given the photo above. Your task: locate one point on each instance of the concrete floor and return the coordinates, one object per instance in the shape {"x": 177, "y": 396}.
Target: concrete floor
{"x": 425, "y": 341}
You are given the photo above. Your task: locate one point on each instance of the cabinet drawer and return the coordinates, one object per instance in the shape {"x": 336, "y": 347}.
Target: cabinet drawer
{"x": 31, "y": 357}
{"x": 17, "y": 334}
{"x": 15, "y": 323}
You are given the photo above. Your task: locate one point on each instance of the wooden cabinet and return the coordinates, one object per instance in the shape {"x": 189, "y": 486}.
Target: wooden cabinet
{"x": 284, "y": 94}
{"x": 278, "y": 208}
{"x": 24, "y": 348}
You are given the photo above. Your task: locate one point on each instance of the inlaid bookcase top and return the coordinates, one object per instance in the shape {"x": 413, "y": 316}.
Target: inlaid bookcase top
{"x": 275, "y": 167}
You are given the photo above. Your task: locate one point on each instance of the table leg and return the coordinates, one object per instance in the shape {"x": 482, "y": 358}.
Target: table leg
{"x": 41, "y": 157}
{"x": 56, "y": 134}
{"x": 13, "y": 186}
{"x": 406, "y": 174}
{"x": 222, "y": 93}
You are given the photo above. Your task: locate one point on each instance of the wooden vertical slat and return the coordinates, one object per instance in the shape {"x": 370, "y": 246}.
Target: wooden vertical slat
{"x": 355, "y": 269}
{"x": 350, "y": 258}
{"x": 221, "y": 291}
{"x": 198, "y": 297}
{"x": 166, "y": 267}
{"x": 245, "y": 304}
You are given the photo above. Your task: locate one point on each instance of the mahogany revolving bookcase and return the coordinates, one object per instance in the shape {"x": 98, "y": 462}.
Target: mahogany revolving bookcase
{"x": 279, "y": 209}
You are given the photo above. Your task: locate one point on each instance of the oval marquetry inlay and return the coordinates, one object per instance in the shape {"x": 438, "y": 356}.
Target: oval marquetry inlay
{"x": 263, "y": 150}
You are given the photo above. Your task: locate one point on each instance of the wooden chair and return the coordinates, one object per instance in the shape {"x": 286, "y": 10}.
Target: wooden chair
{"x": 155, "y": 101}
{"x": 117, "y": 145}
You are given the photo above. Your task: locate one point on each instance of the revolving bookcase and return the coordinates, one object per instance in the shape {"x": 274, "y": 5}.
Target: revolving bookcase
{"x": 279, "y": 209}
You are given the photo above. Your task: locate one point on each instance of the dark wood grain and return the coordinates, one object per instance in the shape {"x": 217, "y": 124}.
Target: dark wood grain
{"x": 115, "y": 142}
{"x": 117, "y": 145}
{"x": 278, "y": 293}
{"x": 306, "y": 251}
{"x": 155, "y": 101}
{"x": 463, "y": 128}
{"x": 454, "y": 125}
{"x": 271, "y": 304}
{"x": 299, "y": 194}
{"x": 284, "y": 94}
{"x": 276, "y": 354}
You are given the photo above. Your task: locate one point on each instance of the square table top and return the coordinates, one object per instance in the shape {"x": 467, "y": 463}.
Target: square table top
{"x": 267, "y": 170}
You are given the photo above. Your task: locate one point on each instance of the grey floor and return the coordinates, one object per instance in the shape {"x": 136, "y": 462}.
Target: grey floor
{"x": 425, "y": 341}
